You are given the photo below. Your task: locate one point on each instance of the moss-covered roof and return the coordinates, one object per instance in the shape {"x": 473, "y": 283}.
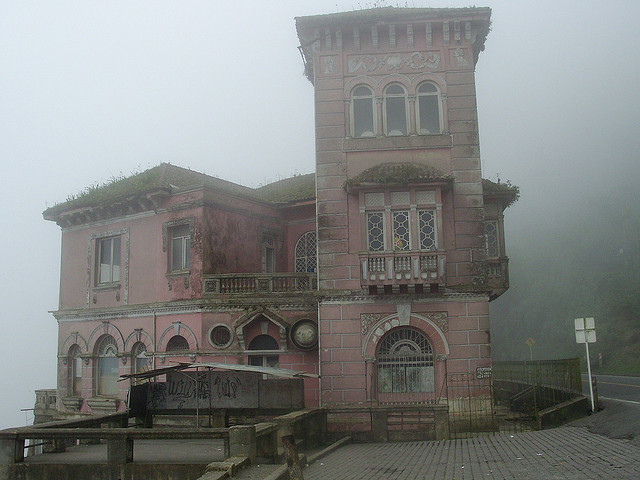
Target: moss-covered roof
{"x": 292, "y": 189}
{"x": 162, "y": 178}
{"x": 397, "y": 174}
{"x": 510, "y": 192}
{"x": 165, "y": 178}
{"x": 381, "y": 14}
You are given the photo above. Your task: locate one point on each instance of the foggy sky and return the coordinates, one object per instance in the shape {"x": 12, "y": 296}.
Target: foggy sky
{"x": 91, "y": 90}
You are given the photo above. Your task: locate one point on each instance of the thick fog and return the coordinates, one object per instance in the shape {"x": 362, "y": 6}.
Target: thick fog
{"x": 91, "y": 90}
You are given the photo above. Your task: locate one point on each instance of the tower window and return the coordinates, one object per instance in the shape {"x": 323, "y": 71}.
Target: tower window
{"x": 429, "y": 112}
{"x": 362, "y": 112}
{"x": 395, "y": 110}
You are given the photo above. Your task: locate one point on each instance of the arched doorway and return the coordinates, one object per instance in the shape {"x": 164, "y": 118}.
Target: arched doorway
{"x": 405, "y": 367}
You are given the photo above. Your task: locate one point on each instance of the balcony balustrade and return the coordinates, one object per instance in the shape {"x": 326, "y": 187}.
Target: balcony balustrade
{"x": 403, "y": 268}
{"x": 498, "y": 275}
{"x": 243, "y": 283}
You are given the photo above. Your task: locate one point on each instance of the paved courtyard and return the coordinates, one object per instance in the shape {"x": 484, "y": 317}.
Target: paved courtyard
{"x": 566, "y": 453}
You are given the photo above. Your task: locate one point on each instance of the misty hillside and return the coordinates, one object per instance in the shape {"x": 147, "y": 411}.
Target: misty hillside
{"x": 581, "y": 260}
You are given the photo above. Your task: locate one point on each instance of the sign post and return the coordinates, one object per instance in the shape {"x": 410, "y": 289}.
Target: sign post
{"x": 586, "y": 333}
{"x": 530, "y": 341}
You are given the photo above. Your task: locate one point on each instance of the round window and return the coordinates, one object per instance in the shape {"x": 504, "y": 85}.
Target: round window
{"x": 220, "y": 336}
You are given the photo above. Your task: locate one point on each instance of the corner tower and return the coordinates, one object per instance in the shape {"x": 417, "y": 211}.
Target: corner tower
{"x": 400, "y": 211}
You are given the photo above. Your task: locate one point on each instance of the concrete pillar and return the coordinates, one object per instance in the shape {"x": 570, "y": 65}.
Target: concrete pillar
{"x": 242, "y": 440}
{"x": 379, "y": 426}
{"x": 441, "y": 418}
{"x": 119, "y": 451}
{"x": 220, "y": 418}
{"x": 11, "y": 450}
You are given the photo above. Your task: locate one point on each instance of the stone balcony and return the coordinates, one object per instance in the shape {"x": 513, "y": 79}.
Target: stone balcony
{"x": 498, "y": 276}
{"x": 260, "y": 283}
{"x": 403, "y": 268}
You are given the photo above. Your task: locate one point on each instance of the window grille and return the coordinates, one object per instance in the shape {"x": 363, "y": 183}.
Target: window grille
{"x": 177, "y": 343}
{"x": 375, "y": 231}
{"x": 426, "y": 220}
{"x": 400, "y": 198}
{"x": 405, "y": 362}
{"x": 374, "y": 199}
{"x": 427, "y": 197}
{"x": 220, "y": 336}
{"x": 491, "y": 239}
{"x": 401, "y": 231}
{"x": 306, "y": 253}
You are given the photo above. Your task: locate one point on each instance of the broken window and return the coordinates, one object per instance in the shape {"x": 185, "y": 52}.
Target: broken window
{"x": 75, "y": 371}
{"x": 107, "y": 366}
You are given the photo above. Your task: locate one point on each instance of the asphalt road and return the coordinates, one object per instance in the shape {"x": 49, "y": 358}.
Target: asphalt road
{"x": 617, "y": 387}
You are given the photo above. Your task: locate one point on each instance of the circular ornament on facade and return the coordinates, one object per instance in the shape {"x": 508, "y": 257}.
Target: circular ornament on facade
{"x": 304, "y": 334}
{"x": 220, "y": 336}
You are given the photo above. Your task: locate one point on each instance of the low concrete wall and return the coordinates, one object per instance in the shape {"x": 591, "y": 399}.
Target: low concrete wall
{"x": 130, "y": 471}
{"x": 564, "y": 412}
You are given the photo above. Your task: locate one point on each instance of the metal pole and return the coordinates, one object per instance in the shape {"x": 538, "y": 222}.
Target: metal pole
{"x": 593, "y": 407}
{"x": 530, "y": 353}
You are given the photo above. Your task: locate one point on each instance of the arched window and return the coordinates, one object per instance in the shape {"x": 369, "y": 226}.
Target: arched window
{"x": 363, "y": 112}
{"x": 262, "y": 343}
{"x": 139, "y": 354}
{"x": 75, "y": 371}
{"x": 429, "y": 112}
{"x": 177, "y": 343}
{"x": 107, "y": 366}
{"x": 306, "y": 254}
{"x": 405, "y": 362}
{"x": 395, "y": 110}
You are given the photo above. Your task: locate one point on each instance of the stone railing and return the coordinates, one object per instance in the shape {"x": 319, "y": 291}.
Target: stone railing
{"x": 242, "y": 283}
{"x": 498, "y": 274}
{"x": 403, "y": 268}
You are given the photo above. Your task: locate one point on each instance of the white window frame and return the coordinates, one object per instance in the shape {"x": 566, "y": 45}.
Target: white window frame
{"x": 385, "y": 117}
{"x": 438, "y": 95}
{"x": 183, "y": 242}
{"x": 352, "y": 109}
{"x": 108, "y": 270}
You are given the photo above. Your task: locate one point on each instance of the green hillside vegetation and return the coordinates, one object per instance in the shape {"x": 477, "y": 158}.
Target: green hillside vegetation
{"x": 584, "y": 262}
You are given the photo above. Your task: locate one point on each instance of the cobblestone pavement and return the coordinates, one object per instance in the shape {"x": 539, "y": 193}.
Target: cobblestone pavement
{"x": 567, "y": 453}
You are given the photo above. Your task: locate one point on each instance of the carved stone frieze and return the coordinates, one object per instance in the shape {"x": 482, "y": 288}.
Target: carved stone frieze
{"x": 394, "y": 61}
{"x": 440, "y": 318}
{"x": 368, "y": 319}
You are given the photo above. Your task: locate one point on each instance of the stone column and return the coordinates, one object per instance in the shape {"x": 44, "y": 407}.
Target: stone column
{"x": 242, "y": 440}
{"x": 119, "y": 450}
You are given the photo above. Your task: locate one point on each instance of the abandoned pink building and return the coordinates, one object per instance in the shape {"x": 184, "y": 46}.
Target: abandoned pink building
{"x": 376, "y": 272}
